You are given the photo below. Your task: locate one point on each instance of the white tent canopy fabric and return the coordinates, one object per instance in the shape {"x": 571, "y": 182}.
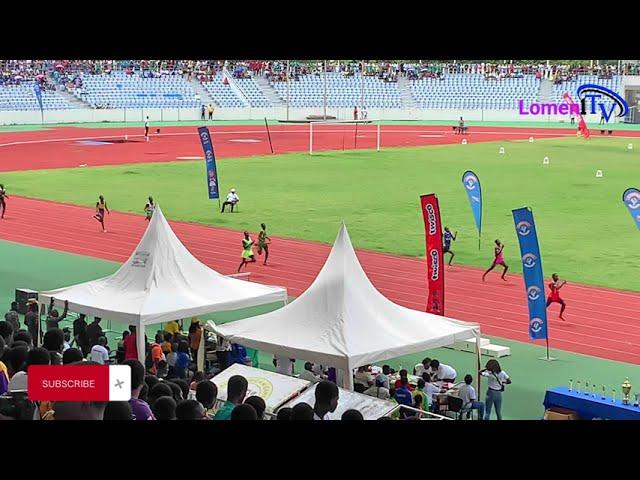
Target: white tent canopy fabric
{"x": 341, "y": 320}
{"x": 162, "y": 281}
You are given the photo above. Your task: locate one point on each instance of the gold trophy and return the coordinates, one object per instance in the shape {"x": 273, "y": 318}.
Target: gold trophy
{"x": 626, "y": 389}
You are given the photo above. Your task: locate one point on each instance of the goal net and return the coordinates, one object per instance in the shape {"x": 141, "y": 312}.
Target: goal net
{"x": 343, "y": 135}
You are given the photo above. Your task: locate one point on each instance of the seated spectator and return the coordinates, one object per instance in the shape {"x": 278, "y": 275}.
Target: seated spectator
{"x": 258, "y": 404}
{"x": 190, "y": 410}
{"x": 151, "y": 381}
{"x": 352, "y": 414}
{"x": 139, "y": 408}
{"x": 244, "y": 412}
{"x": 424, "y": 396}
{"x": 302, "y": 411}
{"x": 197, "y": 378}
{"x": 155, "y": 356}
{"x": 308, "y": 375}
{"x": 176, "y": 391}
{"x": 164, "y": 408}
{"x": 441, "y": 372}
{"x": 23, "y": 336}
{"x": 418, "y": 403}
{"x": 79, "y": 410}
{"x": 378, "y": 390}
{"x": 183, "y": 359}
{"x": 160, "y": 389}
{"x": 72, "y": 355}
{"x": 15, "y": 359}
{"x": 386, "y": 371}
{"x": 207, "y": 395}
{"x": 238, "y": 355}
{"x": 470, "y": 399}
{"x": 236, "y": 391}
{"x": 37, "y": 356}
{"x": 421, "y": 367}
{"x": 99, "y": 352}
{"x": 167, "y": 344}
{"x": 118, "y": 411}
{"x": 285, "y": 413}
{"x": 184, "y": 387}
{"x": 363, "y": 379}
{"x": 6, "y": 332}
{"x": 53, "y": 341}
{"x": 404, "y": 375}
{"x": 12, "y": 317}
{"x": 326, "y": 396}
{"x": 67, "y": 339}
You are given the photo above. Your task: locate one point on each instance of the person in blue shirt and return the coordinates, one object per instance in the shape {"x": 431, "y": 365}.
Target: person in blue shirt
{"x": 238, "y": 354}
{"x": 184, "y": 360}
{"x": 403, "y": 397}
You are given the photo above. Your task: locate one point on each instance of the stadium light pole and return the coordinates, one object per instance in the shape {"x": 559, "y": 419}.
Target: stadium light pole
{"x": 288, "y": 75}
{"x": 324, "y": 75}
{"x": 362, "y": 86}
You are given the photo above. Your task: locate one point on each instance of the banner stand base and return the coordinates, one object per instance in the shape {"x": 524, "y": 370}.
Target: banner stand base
{"x": 548, "y": 359}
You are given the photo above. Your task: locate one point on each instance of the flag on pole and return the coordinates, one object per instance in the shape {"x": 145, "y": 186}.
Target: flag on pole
{"x": 532, "y": 271}
{"x": 631, "y": 198}
{"x": 38, "y": 91}
{"x": 210, "y": 159}
{"x": 471, "y": 185}
{"x": 435, "y": 261}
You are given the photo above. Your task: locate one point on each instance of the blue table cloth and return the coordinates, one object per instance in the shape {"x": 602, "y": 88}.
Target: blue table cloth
{"x": 588, "y": 407}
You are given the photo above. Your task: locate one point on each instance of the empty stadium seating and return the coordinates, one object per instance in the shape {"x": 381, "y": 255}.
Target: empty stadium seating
{"x": 613, "y": 83}
{"x": 23, "y": 97}
{"x": 308, "y": 91}
{"x": 472, "y": 91}
{"x": 225, "y": 95}
{"x": 119, "y": 90}
{"x": 252, "y": 92}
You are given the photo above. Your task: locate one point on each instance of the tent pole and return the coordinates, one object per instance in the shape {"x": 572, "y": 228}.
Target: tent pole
{"x": 347, "y": 379}
{"x": 140, "y": 344}
{"x": 200, "y": 359}
{"x": 478, "y": 365}
{"x": 38, "y": 341}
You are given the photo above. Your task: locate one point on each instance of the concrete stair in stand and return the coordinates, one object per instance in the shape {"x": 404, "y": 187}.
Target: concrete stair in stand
{"x": 486, "y": 348}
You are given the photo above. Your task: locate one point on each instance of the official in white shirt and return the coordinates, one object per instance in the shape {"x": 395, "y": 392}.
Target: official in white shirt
{"x": 283, "y": 364}
{"x": 308, "y": 374}
{"x": 232, "y": 199}
{"x": 99, "y": 353}
{"x": 496, "y": 379}
{"x": 441, "y": 372}
{"x": 422, "y": 367}
{"x": 469, "y": 398}
{"x": 378, "y": 390}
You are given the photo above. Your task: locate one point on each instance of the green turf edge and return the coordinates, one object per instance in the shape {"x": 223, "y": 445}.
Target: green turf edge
{"x": 40, "y": 269}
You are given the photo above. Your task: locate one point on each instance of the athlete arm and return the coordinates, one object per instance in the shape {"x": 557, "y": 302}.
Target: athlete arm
{"x": 106, "y": 208}
{"x": 455, "y": 235}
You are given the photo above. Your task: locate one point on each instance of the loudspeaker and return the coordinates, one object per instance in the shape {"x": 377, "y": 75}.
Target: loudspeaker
{"x": 22, "y": 295}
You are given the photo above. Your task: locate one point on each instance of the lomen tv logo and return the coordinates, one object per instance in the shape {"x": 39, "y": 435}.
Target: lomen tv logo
{"x": 592, "y": 101}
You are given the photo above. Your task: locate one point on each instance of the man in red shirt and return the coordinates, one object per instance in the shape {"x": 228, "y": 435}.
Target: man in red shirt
{"x": 130, "y": 346}
{"x": 555, "y": 287}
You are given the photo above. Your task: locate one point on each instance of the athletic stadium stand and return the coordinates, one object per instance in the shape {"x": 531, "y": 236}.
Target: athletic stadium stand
{"x": 119, "y": 90}
{"x": 23, "y": 97}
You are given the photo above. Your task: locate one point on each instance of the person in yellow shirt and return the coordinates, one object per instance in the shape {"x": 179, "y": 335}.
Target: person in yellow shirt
{"x": 172, "y": 327}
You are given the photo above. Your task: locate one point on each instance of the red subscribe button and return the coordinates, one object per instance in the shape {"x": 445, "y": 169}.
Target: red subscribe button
{"x": 79, "y": 383}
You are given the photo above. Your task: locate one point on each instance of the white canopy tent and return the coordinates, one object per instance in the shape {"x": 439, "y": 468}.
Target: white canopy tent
{"x": 341, "y": 320}
{"x": 160, "y": 282}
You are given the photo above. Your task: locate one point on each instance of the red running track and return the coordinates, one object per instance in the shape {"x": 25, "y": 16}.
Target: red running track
{"x": 600, "y": 322}
{"x": 64, "y": 147}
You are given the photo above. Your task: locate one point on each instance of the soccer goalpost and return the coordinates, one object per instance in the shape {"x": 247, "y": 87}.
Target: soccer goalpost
{"x": 324, "y": 127}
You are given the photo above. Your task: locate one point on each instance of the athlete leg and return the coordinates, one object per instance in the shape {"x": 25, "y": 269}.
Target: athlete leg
{"x": 266, "y": 254}
{"x": 4, "y": 207}
{"x": 241, "y": 265}
{"x": 563, "y": 306}
{"x": 506, "y": 267}
{"x": 493, "y": 265}
{"x": 452, "y": 255}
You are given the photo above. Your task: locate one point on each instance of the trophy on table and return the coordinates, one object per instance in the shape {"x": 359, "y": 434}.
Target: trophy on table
{"x": 626, "y": 389}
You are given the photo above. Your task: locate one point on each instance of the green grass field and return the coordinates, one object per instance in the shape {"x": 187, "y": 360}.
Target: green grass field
{"x": 42, "y": 269}
{"x": 585, "y": 232}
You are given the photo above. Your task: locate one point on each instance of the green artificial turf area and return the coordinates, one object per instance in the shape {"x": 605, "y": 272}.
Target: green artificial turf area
{"x": 585, "y": 232}
{"x": 40, "y": 269}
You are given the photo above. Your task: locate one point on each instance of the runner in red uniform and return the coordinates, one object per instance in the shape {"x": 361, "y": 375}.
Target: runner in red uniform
{"x": 498, "y": 260}
{"x": 555, "y": 287}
